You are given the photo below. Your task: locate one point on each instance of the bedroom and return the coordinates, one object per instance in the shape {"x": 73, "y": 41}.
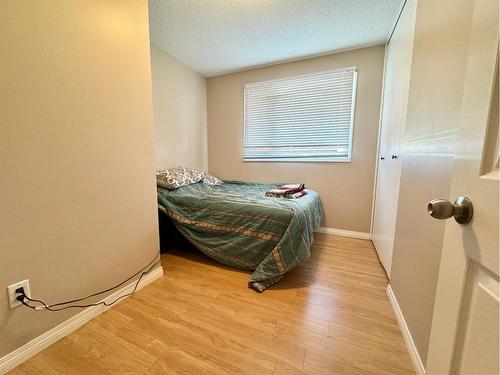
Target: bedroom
{"x": 387, "y": 112}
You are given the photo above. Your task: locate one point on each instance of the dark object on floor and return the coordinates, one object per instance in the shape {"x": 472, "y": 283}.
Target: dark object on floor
{"x": 170, "y": 237}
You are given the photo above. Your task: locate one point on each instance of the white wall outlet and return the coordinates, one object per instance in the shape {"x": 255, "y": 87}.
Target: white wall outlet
{"x": 11, "y": 290}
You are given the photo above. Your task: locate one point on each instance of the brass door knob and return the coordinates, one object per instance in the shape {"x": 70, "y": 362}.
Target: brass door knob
{"x": 461, "y": 210}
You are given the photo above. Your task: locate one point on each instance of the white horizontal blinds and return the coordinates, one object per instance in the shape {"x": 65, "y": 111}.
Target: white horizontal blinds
{"x": 301, "y": 118}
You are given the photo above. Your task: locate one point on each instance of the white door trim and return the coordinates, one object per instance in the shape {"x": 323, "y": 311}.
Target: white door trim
{"x": 405, "y": 331}
{"x": 344, "y": 233}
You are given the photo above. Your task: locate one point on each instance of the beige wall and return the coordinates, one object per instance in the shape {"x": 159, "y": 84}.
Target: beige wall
{"x": 345, "y": 188}
{"x": 77, "y": 188}
{"x": 427, "y": 158}
{"x": 180, "y": 112}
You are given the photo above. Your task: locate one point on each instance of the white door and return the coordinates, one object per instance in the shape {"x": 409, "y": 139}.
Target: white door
{"x": 394, "y": 105}
{"x": 465, "y": 329}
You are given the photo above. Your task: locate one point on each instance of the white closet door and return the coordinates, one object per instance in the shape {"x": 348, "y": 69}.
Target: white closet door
{"x": 394, "y": 105}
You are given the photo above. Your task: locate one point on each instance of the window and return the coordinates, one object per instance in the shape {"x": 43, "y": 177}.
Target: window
{"x": 304, "y": 118}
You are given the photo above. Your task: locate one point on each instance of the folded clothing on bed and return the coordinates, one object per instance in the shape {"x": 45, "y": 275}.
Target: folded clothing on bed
{"x": 275, "y": 194}
{"x": 290, "y": 191}
{"x": 294, "y": 187}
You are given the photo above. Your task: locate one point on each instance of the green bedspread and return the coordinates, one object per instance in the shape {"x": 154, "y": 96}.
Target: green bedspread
{"x": 236, "y": 224}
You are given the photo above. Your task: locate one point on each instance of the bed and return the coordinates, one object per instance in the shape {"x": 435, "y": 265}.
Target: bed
{"x": 237, "y": 225}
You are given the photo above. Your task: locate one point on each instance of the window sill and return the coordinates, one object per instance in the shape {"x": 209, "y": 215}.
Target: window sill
{"x": 299, "y": 160}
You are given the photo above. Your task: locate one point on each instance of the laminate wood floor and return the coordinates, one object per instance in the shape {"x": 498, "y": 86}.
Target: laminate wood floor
{"x": 328, "y": 316}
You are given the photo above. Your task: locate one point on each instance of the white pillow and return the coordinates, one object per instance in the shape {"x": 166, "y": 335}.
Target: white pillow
{"x": 211, "y": 180}
{"x": 173, "y": 178}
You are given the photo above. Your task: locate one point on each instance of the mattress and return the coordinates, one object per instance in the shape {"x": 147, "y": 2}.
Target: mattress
{"x": 237, "y": 225}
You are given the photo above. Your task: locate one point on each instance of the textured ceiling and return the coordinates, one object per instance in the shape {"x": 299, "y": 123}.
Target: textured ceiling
{"x": 219, "y": 36}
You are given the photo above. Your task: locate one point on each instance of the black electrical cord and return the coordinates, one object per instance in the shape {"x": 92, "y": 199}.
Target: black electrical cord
{"x": 44, "y": 306}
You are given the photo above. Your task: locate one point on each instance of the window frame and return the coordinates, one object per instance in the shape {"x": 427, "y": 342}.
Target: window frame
{"x": 329, "y": 159}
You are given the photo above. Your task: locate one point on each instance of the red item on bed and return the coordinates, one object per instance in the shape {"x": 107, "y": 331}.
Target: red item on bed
{"x": 288, "y": 191}
{"x": 297, "y": 194}
{"x": 293, "y": 187}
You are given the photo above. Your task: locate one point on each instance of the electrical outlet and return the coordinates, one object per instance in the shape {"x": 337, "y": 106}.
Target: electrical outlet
{"x": 11, "y": 290}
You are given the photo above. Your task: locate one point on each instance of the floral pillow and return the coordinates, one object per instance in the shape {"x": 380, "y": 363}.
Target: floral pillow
{"x": 211, "y": 180}
{"x": 173, "y": 178}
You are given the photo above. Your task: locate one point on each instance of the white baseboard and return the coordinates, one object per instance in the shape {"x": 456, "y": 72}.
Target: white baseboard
{"x": 344, "y": 233}
{"x": 410, "y": 345}
{"x": 36, "y": 345}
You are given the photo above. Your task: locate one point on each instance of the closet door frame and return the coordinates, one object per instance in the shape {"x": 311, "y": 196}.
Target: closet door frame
{"x": 403, "y": 33}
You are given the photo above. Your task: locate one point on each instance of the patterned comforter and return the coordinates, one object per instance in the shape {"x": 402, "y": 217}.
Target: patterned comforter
{"x": 236, "y": 224}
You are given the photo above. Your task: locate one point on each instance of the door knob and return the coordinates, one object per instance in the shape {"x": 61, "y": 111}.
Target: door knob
{"x": 394, "y": 157}
{"x": 382, "y": 158}
{"x": 461, "y": 210}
